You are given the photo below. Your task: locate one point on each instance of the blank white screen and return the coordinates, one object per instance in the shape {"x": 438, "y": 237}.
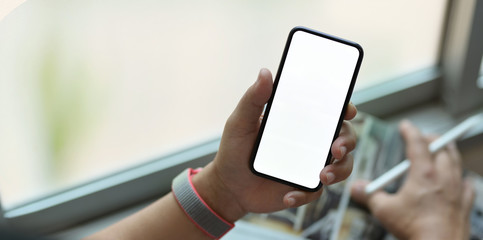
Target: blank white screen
{"x": 306, "y": 109}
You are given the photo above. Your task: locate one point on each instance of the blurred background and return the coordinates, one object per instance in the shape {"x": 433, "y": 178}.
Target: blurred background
{"x": 89, "y": 87}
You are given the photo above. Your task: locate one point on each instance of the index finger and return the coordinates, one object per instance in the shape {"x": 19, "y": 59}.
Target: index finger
{"x": 416, "y": 146}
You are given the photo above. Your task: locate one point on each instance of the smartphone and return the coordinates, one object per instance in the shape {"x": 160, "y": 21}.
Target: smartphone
{"x": 304, "y": 115}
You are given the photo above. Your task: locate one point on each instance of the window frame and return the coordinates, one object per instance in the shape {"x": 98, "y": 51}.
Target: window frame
{"x": 384, "y": 99}
{"x": 3, "y": 222}
{"x": 152, "y": 179}
{"x": 462, "y": 56}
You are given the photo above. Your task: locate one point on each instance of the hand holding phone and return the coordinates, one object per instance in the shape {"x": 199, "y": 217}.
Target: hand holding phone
{"x": 312, "y": 88}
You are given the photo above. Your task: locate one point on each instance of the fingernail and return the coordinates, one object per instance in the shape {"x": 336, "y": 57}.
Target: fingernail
{"x": 330, "y": 177}
{"x": 257, "y": 81}
{"x": 259, "y": 76}
{"x": 291, "y": 201}
{"x": 343, "y": 151}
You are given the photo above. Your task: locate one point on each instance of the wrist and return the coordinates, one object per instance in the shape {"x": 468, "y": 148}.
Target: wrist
{"x": 434, "y": 235}
{"x": 438, "y": 231}
{"x": 213, "y": 191}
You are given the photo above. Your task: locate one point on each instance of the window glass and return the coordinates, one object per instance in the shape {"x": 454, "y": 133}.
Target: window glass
{"x": 90, "y": 87}
{"x": 7, "y": 6}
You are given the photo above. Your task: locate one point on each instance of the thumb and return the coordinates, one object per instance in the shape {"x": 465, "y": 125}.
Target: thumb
{"x": 247, "y": 113}
{"x": 298, "y": 198}
{"x": 372, "y": 201}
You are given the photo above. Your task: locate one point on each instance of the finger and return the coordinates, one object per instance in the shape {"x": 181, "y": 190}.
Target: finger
{"x": 351, "y": 111}
{"x": 247, "y": 113}
{"x": 467, "y": 204}
{"x": 357, "y": 192}
{"x": 455, "y": 156}
{"x": 456, "y": 161}
{"x": 445, "y": 171}
{"x": 468, "y": 197}
{"x": 430, "y": 138}
{"x": 416, "y": 147}
{"x": 337, "y": 171}
{"x": 376, "y": 202}
{"x": 345, "y": 142}
{"x": 298, "y": 198}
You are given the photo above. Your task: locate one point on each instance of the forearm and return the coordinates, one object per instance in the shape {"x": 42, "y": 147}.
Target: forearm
{"x": 164, "y": 219}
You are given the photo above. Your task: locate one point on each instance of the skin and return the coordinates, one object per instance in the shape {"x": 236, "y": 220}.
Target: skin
{"x": 434, "y": 202}
{"x": 227, "y": 185}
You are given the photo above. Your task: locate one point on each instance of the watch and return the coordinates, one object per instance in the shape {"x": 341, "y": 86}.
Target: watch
{"x": 195, "y": 208}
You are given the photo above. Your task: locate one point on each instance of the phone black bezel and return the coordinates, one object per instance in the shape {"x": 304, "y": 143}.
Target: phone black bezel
{"x": 275, "y": 84}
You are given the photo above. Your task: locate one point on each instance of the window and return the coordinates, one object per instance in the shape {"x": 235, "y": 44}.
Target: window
{"x": 8, "y": 6}
{"x": 88, "y": 88}
{"x": 109, "y": 84}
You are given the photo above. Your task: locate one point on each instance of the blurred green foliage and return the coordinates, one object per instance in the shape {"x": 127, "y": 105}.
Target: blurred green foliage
{"x": 63, "y": 95}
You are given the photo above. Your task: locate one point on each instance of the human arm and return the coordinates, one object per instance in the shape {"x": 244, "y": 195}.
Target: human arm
{"x": 227, "y": 185}
{"x": 433, "y": 203}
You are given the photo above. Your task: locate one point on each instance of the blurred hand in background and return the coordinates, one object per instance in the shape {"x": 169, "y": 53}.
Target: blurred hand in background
{"x": 433, "y": 203}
